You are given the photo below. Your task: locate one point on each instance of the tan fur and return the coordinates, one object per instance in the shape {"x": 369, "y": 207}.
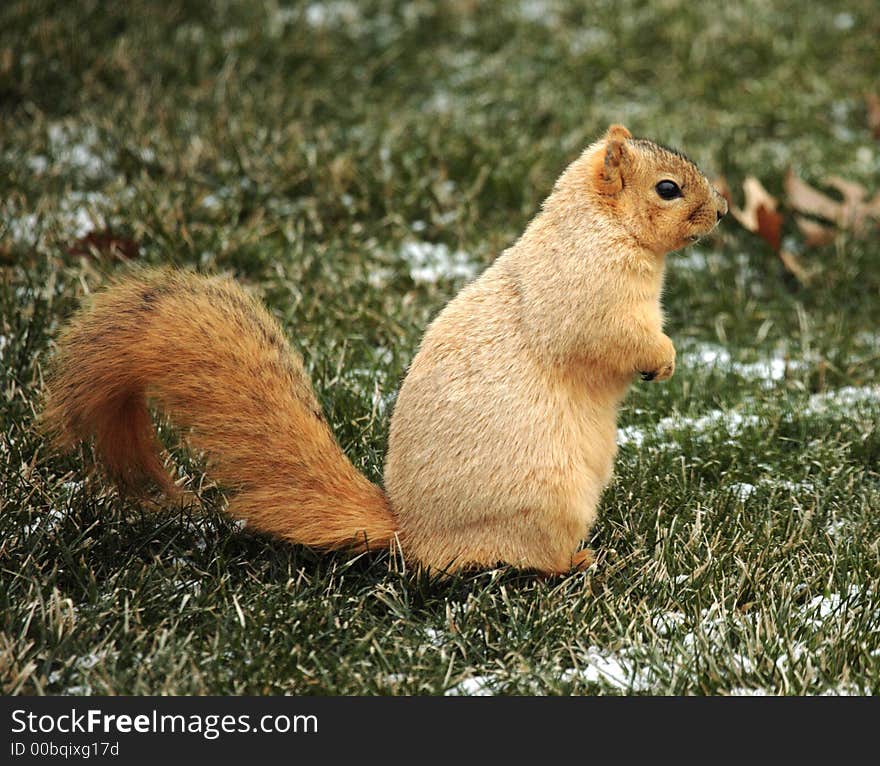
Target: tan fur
{"x": 504, "y": 432}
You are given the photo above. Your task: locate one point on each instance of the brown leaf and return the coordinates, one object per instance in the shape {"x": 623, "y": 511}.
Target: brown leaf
{"x": 855, "y": 207}
{"x": 756, "y": 196}
{"x": 794, "y": 267}
{"x": 850, "y": 213}
{"x": 872, "y": 102}
{"x": 853, "y": 193}
{"x": 105, "y": 243}
{"x": 769, "y": 226}
{"x": 815, "y": 234}
{"x": 759, "y": 215}
{"x": 853, "y": 210}
{"x": 805, "y": 199}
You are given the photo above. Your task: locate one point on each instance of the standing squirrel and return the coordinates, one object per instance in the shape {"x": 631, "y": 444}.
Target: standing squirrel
{"x": 503, "y": 435}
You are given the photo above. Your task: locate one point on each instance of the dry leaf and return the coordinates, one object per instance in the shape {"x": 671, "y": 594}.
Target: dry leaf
{"x": 756, "y": 196}
{"x": 794, "y": 267}
{"x": 759, "y": 214}
{"x": 815, "y": 234}
{"x": 850, "y": 213}
{"x": 872, "y": 101}
{"x": 853, "y": 210}
{"x": 770, "y": 227}
{"x": 853, "y": 193}
{"x": 105, "y": 243}
{"x": 805, "y": 199}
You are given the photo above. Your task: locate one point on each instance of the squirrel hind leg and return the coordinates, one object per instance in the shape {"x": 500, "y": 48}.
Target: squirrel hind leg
{"x": 126, "y": 445}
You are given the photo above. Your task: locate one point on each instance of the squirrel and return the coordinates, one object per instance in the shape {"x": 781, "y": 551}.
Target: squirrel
{"x": 503, "y": 435}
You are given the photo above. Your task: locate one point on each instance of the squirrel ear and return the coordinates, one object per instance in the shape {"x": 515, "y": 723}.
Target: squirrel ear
{"x": 617, "y": 132}
{"x": 610, "y": 165}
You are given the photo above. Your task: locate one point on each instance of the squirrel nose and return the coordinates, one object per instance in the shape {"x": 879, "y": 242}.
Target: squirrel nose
{"x": 721, "y": 211}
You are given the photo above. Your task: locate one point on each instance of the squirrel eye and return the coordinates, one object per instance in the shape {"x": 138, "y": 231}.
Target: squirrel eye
{"x": 668, "y": 189}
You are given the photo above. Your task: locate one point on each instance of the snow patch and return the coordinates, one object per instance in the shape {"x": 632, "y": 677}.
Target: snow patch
{"x": 769, "y": 370}
{"x": 820, "y": 608}
{"x": 742, "y": 490}
{"x": 475, "y": 686}
{"x": 741, "y": 691}
{"x": 78, "y": 150}
{"x": 731, "y": 421}
{"x": 693, "y": 260}
{"x": 380, "y": 277}
{"x": 382, "y": 403}
{"x": 331, "y": 14}
{"x": 844, "y": 398}
{"x": 633, "y": 668}
{"x": 539, "y": 12}
{"x": 435, "y": 637}
{"x": 212, "y": 202}
{"x": 50, "y": 521}
{"x": 844, "y": 21}
{"x": 630, "y": 435}
{"x": 81, "y": 212}
{"x": 77, "y": 214}
{"x": 23, "y": 228}
{"x": 710, "y": 355}
{"x": 836, "y": 529}
{"x": 667, "y": 623}
{"x": 844, "y": 690}
{"x": 609, "y": 669}
{"x": 429, "y": 263}
{"x": 38, "y": 164}
{"x": 79, "y": 690}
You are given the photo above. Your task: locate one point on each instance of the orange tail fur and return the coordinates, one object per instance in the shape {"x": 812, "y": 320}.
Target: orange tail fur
{"x": 217, "y": 363}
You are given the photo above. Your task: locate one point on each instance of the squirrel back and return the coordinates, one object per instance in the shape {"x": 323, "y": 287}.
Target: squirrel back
{"x": 219, "y": 366}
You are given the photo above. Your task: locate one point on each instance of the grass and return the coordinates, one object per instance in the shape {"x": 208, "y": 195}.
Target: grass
{"x": 301, "y": 147}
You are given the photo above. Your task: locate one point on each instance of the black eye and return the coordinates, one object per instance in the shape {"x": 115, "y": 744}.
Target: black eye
{"x": 668, "y": 190}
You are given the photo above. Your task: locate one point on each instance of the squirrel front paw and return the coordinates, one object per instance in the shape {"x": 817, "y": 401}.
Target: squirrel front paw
{"x": 662, "y": 364}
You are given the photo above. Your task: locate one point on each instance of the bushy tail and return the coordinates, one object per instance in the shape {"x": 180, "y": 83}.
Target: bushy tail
{"x": 218, "y": 365}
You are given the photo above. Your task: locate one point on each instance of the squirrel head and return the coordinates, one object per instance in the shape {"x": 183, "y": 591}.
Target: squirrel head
{"x": 656, "y": 194}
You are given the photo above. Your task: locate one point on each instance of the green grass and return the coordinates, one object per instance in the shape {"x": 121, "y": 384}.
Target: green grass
{"x": 299, "y": 148}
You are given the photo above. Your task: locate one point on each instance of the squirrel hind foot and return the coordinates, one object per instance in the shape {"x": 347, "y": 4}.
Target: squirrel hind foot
{"x": 583, "y": 560}
{"x": 580, "y": 562}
